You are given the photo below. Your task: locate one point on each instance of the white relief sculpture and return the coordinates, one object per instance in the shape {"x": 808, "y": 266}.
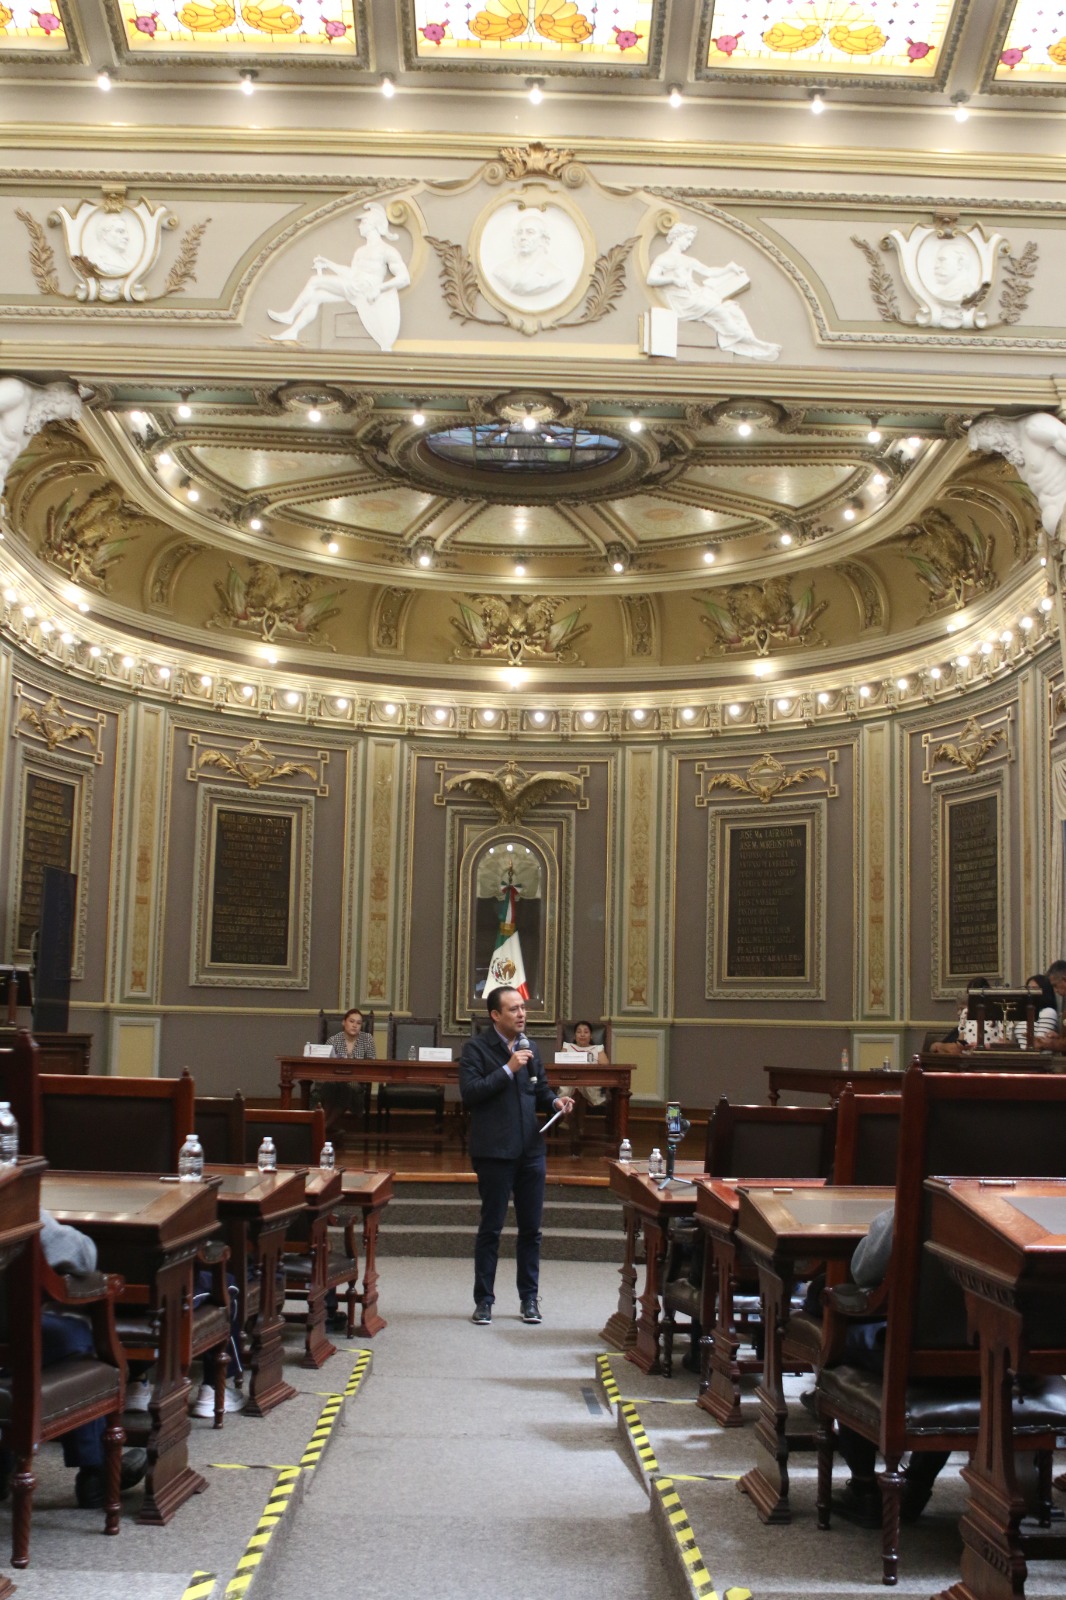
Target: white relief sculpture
{"x": 1036, "y": 446}
{"x": 112, "y": 246}
{"x": 24, "y": 410}
{"x": 948, "y": 271}
{"x": 370, "y": 282}
{"x": 531, "y": 256}
{"x": 697, "y": 293}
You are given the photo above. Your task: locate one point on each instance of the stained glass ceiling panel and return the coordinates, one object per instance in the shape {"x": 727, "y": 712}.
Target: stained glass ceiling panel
{"x": 39, "y": 28}
{"x": 823, "y": 39}
{"x": 244, "y": 28}
{"x": 1033, "y": 53}
{"x": 541, "y": 34}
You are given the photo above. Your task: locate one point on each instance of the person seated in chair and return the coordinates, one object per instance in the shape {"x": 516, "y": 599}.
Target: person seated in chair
{"x": 963, "y": 1036}
{"x": 354, "y": 1045}
{"x": 582, "y": 1042}
{"x": 67, "y": 1338}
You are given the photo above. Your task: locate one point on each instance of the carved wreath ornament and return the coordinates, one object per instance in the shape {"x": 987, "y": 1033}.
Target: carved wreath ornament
{"x": 764, "y": 779}
{"x": 950, "y": 273}
{"x": 111, "y": 246}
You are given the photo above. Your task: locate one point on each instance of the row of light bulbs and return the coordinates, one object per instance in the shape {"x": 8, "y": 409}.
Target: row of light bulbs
{"x": 816, "y": 98}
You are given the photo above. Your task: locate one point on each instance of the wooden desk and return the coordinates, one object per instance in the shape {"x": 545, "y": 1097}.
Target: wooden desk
{"x": 1006, "y": 1248}
{"x": 306, "y": 1070}
{"x": 322, "y": 1195}
{"x": 717, "y": 1214}
{"x": 1027, "y": 1061}
{"x": 370, "y": 1193}
{"x": 830, "y": 1081}
{"x": 149, "y": 1232}
{"x": 256, "y": 1209}
{"x": 654, "y": 1210}
{"x": 780, "y": 1227}
{"x": 57, "y": 1052}
{"x": 620, "y": 1329}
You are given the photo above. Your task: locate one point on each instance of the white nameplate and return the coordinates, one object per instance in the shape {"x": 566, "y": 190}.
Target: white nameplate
{"x": 318, "y": 1050}
{"x": 433, "y": 1052}
{"x": 567, "y": 1058}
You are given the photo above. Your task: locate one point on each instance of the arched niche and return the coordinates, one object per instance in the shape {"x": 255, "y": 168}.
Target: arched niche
{"x": 509, "y": 893}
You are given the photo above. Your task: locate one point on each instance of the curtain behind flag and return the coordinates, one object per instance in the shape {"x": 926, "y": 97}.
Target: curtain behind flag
{"x": 507, "y": 969}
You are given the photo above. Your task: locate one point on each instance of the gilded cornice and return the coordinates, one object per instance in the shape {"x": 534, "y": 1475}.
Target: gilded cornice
{"x": 335, "y": 143}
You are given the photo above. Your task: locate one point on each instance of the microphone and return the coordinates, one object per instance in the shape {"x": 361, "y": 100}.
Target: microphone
{"x": 522, "y": 1043}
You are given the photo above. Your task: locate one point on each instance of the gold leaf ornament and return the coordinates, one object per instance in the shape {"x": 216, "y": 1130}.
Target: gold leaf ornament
{"x": 784, "y": 38}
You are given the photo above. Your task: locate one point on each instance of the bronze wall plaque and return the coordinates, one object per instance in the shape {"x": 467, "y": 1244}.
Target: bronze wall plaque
{"x": 767, "y": 910}
{"x": 974, "y": 890}
{"x": 47, "y": 841}
{"x": 251, "y": 903}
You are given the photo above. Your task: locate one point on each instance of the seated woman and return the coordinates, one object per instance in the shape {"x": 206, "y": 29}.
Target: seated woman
{"x": 1046, "y": 1024}
{"x": 355, "y": 1045}
{"x": 582, "y": 1044}
{"x": 964, "y": 1035}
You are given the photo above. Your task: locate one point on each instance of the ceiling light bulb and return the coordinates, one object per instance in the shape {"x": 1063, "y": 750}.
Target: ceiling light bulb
{"x": 314, "y": 415}
{"x": 536, "y": 93}
{"x": 103, "y": 80}
{"x": 418, "y": 419}
{"x": 864, "y": 691}
{"x": 164, "y": 459}
{"x": 708, "y": 556}
{"x": 879, "y": 480}
{"x": 761, "y": 668}
{"x": 823, "y": 698}
{"x": 247, "y": 691}
{"x": 540, "y": 717}
{"x": 849, "y": 513}
{"x": 164, "y": 673}
{"x": 639, "y": 715}
{"x": 388, "y": 88}
{"x": 934, "y": 673}
{"x": 1046, "y": 603}
{"x": 734, "y": 710}
{"x": 341, "y": 703}
{"x": 1043, "y": 561}
{"x": 874, "y": 436}
{"x": 248, "y": 82}
{"x": 676, "y": 97}
{"x": 1025, "y": 623}
{"x": 687, "y": 714}
{"x": 817, "y": 102}
{"x": 901, "y": 684}
{"x": 529, "y": 423}
{"x": 635, "y": 425}
{"x": 127, "y": 662}
{"x": 785, "y": 539}
{"x": 333, "y": 547}
{"x": 519, "y": 570}
{"x": 83, "y": 607}
{"x": 10, "y": 595}
{"x": 1006, "y": 636}
{"x": 744, "y": 429}
{"x": 440, "y": 713}
{"x": 514, "y": 677}
{"x": 488, "y": 715}
{"x": 389, "y": 709}
{"x": 951, "y": 627}
{"x": 184, "y": 411}
{"x": 46, "y": 627}
{"x": 962, "y": 661}
{"x": 29, "y": 613}
{"x": 95, "y": 651}
{"x": 194, "y": 495}
{"x": 986, "y": 647}
{"x": 271, "y": 656}
{"x": 292, "y": 698}
{"x": 588, "y": 717}
{"x": 618, "y": 566}
{"x": 961, "y": 112}
{"x": 138, "y": 419}
{"x": 205, "y": 680}
{"x": 255, "y": 523}
{"x": 424, "y": 559}
{"x": 914, "y": 442}
{"x": 784, "y": 705}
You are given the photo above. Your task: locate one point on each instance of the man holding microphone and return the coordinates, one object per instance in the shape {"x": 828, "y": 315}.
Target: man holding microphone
{"x": 502, "y": 1083}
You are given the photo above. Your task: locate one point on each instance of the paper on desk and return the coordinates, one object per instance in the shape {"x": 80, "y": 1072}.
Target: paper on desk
{"x": 550, "y": 1121}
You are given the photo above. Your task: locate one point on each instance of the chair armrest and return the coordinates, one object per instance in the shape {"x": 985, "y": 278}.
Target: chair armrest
{"x": 79, "y": 1288}
{"x": 214, "y": 1255}
{"x": 855, "y": 1304}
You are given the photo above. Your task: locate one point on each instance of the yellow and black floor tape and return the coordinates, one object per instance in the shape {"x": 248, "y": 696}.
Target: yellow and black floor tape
{"x": 256, "y": 1548}
{"x": 607, "y": 1380}
{"x": 200, "y": 1586}
{"x": 641, "y": 1442}
{"x": 695, "y": 1567}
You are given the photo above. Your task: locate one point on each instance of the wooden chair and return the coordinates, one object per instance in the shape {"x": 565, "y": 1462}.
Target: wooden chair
{"x": 219, "y": 1124}
{"x": 404, "y": 1035}
{"x": 39, "y": 1403}
{"x": 928, "y": 1397}
{"x": 331, "y": 1022}
{"x": 602, "y": 1039}
{"x": 108, "y": 1124}
{"x": 311, "y": 1267}
{"x": 742, "y": 1142}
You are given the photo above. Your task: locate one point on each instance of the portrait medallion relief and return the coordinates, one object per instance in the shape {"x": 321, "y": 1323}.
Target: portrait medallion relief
{"x": 531, "y": 256}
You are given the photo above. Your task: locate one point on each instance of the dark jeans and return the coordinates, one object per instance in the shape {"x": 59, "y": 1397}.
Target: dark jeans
{"x": 203, "y": 1283}
{"x": 497, "y": 1181}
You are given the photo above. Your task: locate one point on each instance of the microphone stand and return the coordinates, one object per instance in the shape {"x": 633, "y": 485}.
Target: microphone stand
{"x": 672, "y": 1142}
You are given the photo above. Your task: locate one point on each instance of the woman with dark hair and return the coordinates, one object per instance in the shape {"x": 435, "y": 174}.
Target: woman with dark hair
{"x": 1046, "y": 1026}
{"x": 964, "y": 1035}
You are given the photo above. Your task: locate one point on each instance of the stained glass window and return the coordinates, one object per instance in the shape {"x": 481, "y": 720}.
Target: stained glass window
{"x": 240, "y": 27}
{"x": 548, "y": 447}
{"x": 38, "y": 27}
{"x": 585, "y": 33}
{"x": 830, "y": 38}
{"x": 1033, "y": 52}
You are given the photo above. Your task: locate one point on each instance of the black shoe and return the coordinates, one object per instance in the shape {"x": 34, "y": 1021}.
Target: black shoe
{"x": 337, "y": 1322}
{"x": 860, "y": 1502}
{"x": 530, "y": 1309}
{"x": 914, "y": 1499}
{"x": 482, "y": 1313}
{"x": 90, "y": 1486}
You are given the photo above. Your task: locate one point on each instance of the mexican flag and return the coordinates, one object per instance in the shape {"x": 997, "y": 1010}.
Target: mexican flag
{"x": 506, "y": 967}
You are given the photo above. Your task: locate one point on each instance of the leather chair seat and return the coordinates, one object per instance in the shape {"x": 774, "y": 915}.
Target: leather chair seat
{"x": 943, "y": 1405}
{"x": 66, "y": 1387}
{"x": 803, "y": 1336}
{"x": 339, "y": 1269}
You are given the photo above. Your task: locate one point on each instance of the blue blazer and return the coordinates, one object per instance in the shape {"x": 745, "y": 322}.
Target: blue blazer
{"x": 502, "y": 1109}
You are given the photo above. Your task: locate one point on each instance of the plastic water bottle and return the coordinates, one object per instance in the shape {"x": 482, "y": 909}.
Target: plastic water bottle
{"x": 844, "y": 1063}
{"x": 656, "y": 1163}
{"x": 886, "y": 1065}
{"x": 625, "y": 1151}
{"x": 328, "y": 1159}
{"x": 268, "y": 1156}
{"x": 191, "y": 1160}
{"x": 9, "y": 1135}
